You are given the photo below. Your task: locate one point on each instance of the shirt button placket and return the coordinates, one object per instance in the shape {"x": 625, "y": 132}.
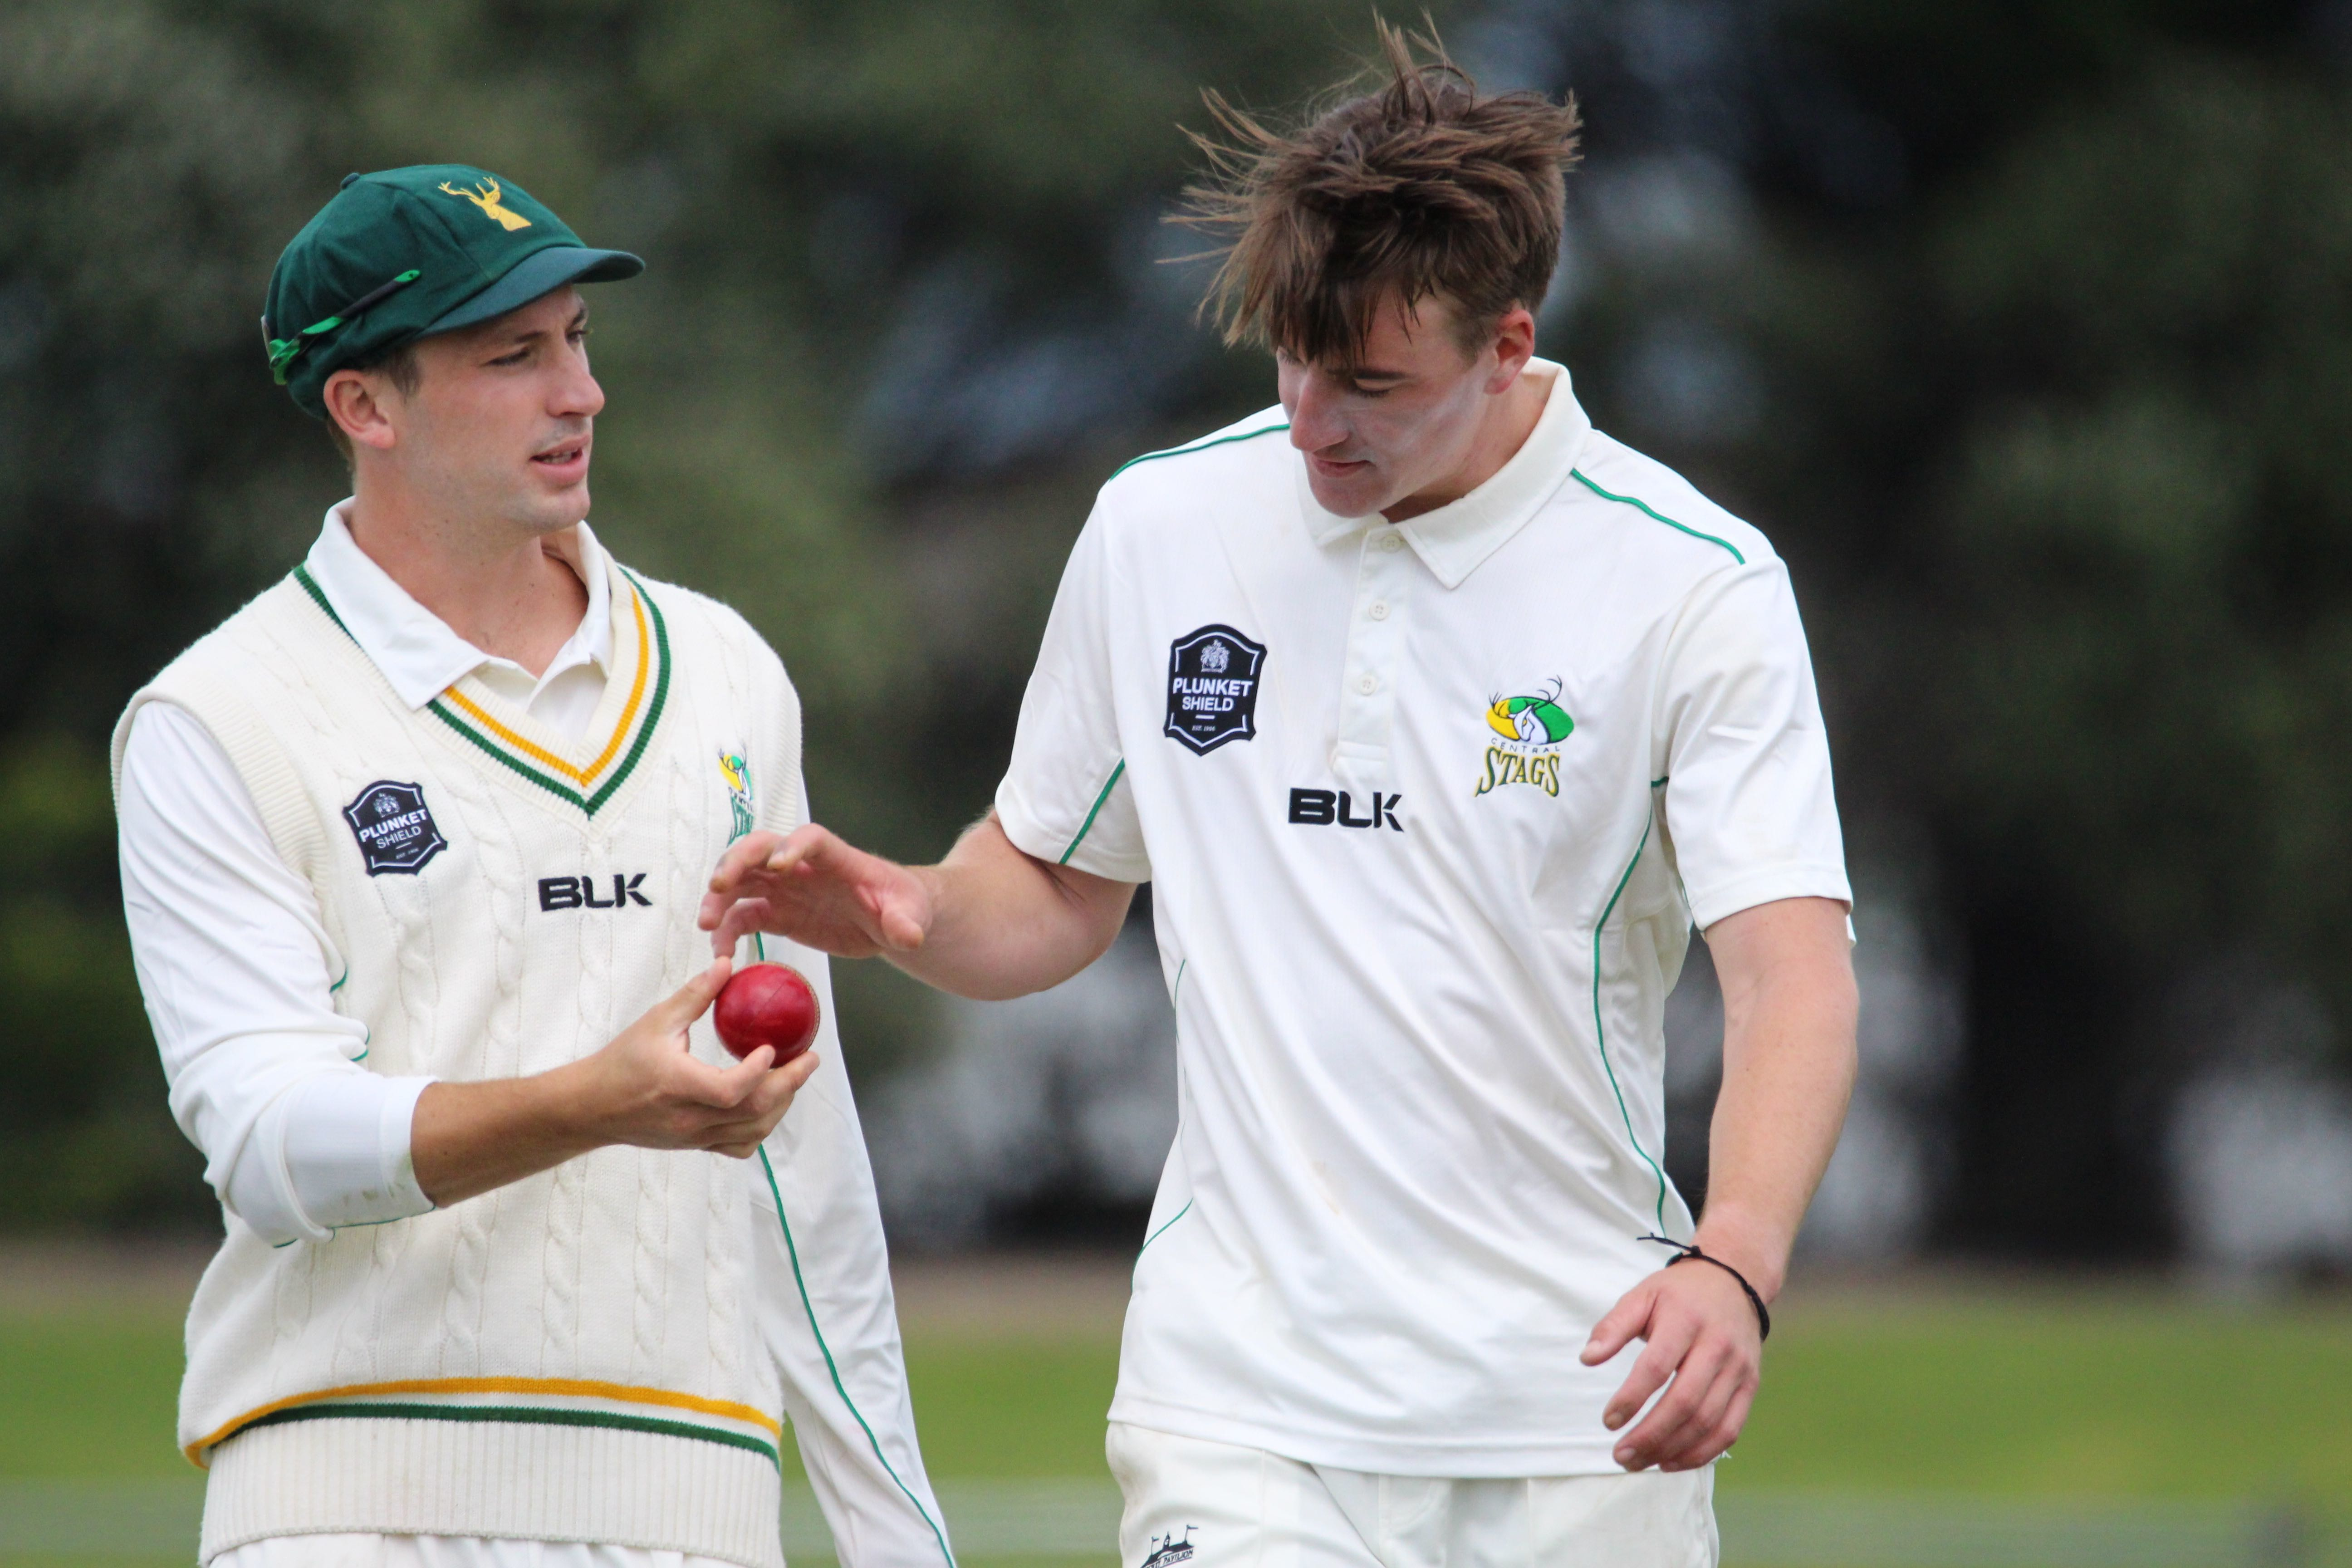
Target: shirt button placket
{"x": 1375, "y": 641}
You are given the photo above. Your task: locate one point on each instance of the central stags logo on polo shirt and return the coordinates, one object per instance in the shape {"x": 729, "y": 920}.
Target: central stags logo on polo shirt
{"x": 1532, "y": 728}
{"x": 1212, "y": 681}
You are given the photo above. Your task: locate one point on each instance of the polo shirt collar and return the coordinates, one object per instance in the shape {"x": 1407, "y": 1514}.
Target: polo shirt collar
{"x": 414, "y": 647}
{"x": 1453, "y": 540}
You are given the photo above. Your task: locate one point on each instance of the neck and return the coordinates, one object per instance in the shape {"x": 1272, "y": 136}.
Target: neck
{"x": 1505, "y": 423}
{"x": 496, "y": 584}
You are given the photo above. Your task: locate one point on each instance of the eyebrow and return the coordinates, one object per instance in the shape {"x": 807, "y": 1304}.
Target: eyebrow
{"x": 524, "y": 339}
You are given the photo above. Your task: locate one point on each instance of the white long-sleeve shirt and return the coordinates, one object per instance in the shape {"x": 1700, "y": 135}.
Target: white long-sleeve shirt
{"x": 300, "y": 1139}
{"x": 297, "y": 1138}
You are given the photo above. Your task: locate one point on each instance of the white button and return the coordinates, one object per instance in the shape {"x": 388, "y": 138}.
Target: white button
{"x": 1368, "y": 684}
{"x": 1391, "y": 542}
{"x": 1379, "y": 610}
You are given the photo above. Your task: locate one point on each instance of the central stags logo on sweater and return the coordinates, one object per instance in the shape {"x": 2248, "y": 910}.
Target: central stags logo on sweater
{"x": 395, "y": 829}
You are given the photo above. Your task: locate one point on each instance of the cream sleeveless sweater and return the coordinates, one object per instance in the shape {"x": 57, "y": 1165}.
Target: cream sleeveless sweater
{"x": 574, "y": 1356}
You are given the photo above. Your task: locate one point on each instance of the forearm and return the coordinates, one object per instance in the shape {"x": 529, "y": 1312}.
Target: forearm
{"x": 467, "y": 1139}
{"x": 1789, "y": 1007}
{"x": 643, "y": 1089}
{"x": 1005, "y": 923}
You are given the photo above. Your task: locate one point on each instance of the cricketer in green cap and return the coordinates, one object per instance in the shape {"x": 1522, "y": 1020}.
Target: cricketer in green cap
{"x": 403, "y": 254}
{"x": 452, "y": 786}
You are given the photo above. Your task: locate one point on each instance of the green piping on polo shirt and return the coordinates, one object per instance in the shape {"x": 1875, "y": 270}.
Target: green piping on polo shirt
{"x": 1578, "y": 475}
{"x": 1173, "y": 992}
{"x": 1600, "y": 1033}
{"x": 1198, "y": 447}
{"x": 1094, "y": 811}
{"x": 1163, "y": 1230}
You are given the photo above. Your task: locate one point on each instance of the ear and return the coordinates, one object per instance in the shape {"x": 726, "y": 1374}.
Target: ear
{"x": 1515, "y": 345}
{"x": 356, "y": 403}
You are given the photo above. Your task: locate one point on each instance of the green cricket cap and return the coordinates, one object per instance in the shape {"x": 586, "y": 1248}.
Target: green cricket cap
{"x": 402, "y": 254}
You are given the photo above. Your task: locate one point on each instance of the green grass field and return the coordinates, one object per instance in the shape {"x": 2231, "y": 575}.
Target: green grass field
{"x": 2088, "y": 1393}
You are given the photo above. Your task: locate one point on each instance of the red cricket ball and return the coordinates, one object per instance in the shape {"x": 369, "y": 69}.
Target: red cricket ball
{"x": 767, "y": 1004}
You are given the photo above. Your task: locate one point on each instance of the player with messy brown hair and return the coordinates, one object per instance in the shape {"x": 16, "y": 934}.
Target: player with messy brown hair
{"x": 1423, "y": 189}
{"x": 1437, "y": 719}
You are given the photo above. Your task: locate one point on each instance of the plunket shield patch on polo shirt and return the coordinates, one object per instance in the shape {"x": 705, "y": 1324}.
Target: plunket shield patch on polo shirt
{"x": 1212, "y": 681}
{"x": 396, "y": 832}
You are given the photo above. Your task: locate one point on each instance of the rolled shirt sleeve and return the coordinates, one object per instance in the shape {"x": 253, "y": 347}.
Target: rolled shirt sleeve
{"x": 1065, "y": 797}
{"x": 238, "y": 974}
{"x": 1748, "y": 797}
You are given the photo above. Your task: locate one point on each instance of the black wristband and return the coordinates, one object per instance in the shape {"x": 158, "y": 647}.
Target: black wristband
{"x": 1684, "y": 1251}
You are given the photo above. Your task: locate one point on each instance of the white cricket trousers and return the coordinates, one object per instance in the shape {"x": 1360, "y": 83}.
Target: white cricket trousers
{"x": 1214, "y": 1505}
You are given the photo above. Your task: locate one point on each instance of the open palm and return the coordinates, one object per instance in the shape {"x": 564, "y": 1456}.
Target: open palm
{"x": 812, "y": 886}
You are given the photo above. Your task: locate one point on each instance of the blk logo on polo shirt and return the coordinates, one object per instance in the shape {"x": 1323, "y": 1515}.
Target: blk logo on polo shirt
{"x": 395, "y": 830}
{"x": 1327, "y": 808}
{"x": 1212, "y": 681}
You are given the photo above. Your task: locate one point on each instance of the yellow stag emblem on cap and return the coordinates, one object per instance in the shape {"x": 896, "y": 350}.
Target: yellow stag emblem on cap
{"x": 487, "y": 201}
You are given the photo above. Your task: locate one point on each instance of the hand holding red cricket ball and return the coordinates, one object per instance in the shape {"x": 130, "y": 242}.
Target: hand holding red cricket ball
{"x": 767, "y": 1004}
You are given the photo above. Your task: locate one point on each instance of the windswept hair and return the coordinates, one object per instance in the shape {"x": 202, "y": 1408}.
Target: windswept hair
{"x": 1420, "y": 188}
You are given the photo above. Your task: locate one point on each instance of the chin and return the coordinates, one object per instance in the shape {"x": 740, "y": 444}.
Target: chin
{"x": 1360, "y": 498}
{"x": 553, "y": 511}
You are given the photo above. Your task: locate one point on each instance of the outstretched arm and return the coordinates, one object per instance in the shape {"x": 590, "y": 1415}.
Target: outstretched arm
{"x": 1789, "y": 1008}
{"x": 989, "y": 921}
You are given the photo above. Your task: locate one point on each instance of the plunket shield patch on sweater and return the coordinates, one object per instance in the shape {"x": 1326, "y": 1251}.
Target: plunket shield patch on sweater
{"x": 394, "y": 828}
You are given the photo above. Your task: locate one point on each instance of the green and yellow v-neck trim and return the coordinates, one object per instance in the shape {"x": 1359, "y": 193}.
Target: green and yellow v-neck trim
{"x": 588, "y": 779}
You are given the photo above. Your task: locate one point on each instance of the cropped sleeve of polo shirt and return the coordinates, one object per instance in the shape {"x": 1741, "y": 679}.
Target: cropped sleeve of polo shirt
{"x": 1065, "y": 797}
{"x": 1743, "y": 749}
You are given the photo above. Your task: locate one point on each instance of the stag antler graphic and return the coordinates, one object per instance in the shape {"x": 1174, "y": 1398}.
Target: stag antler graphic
{"x": 487, "y": 201}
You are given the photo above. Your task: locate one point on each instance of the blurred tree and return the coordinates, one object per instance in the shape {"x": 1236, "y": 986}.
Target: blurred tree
{"x": 2026, "y": 331}
{"x": 2145, "y": 593}
{"x": 855, "y": 216}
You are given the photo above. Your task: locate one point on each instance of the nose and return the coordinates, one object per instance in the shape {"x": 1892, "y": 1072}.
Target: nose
{"x": 577, "y": 393}
{"x": 1315, "y": 422}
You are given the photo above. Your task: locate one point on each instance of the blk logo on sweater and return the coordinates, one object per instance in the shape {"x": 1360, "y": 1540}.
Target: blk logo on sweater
{"x": 396, "y": 831}
{"x": 582, "y": 893}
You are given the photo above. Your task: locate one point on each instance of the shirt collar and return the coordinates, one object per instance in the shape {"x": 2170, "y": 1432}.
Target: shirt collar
{"x": 414, "y": 647}
{"x": 1454, "y": 539}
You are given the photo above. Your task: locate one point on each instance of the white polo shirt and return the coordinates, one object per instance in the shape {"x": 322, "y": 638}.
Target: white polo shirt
{"x": 1428, "y": 809}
